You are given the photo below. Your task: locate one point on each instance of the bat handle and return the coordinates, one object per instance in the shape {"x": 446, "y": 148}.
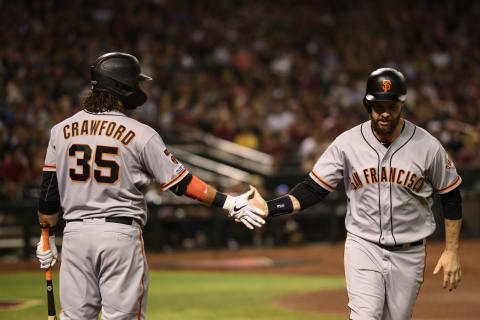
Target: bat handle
{"x": 46, "y": 246}
{"x": 45, "y": 231}
{"x": 48, "y": 275}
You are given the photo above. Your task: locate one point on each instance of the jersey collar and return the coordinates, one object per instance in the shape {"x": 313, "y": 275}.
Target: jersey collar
{"x": 111, "y": 113}
{"x": 403, "y": 138}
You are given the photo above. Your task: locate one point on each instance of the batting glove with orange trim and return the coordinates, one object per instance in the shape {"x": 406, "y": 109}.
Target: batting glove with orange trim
{"x": 47, "y": 258}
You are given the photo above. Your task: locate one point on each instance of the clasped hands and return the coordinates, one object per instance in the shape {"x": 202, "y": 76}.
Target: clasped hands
{"x": 249, "y": 208}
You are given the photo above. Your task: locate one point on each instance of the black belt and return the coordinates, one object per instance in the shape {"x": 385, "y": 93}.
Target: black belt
{"x": 401, "y": 246}
{"x": 122, "y": 220}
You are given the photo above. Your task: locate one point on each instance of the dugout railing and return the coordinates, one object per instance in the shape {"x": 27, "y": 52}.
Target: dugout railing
{"x": 191, "y": 226}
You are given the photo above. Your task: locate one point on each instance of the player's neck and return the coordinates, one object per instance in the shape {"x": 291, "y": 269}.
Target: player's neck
{"x": 121, "y": 109}
{"x": 390, "y": 137}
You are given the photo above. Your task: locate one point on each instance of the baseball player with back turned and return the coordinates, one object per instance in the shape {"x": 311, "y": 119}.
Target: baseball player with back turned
{"x": 97, "y": 166}
{"x": 390, "y": 169}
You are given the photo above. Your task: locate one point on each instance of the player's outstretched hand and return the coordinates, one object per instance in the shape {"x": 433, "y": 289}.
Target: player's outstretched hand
{"x": 242, "y": 211}
{"x": 258, "y": 201}
{"x": 47, "y": 258}
{"x": 452, "y": 271}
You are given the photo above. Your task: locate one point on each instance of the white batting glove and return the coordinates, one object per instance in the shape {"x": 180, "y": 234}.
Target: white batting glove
{"x": 239, "y": 209}
{"x": 47, "y": 258}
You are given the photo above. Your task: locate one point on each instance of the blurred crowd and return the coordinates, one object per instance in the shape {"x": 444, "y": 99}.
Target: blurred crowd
{"x": 281, "y": 77}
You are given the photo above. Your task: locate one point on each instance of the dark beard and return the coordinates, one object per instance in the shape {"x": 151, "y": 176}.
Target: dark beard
{"x": 381, "y": 130}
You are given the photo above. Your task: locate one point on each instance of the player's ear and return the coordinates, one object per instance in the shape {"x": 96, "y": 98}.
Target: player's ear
{"x": 367, "y": 104}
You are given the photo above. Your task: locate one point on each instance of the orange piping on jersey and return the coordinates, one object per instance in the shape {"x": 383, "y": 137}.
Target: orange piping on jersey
{"x": 169, "y": 183}
{"x": 329, "y": 187}
{"x": 50, "y": 166}
{"x": 451, "y": 185}
{"x": 139, "y": 314}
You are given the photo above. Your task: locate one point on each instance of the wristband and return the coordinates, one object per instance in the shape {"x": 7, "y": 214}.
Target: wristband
{"x": 219, "y": 199}
{"x": 196, "y": 189}
{"x": 224, "y": 201}
{"x": 279, "y": 206}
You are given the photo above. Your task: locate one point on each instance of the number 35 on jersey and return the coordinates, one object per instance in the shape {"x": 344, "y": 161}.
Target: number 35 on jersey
{"x": 103, "y": 169}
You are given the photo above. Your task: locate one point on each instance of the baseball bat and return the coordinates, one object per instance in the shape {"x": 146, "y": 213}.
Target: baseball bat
{"x": 52, "y": 314}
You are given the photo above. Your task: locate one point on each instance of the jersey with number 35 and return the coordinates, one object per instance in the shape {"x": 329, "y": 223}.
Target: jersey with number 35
{"x": 104, "y": 161}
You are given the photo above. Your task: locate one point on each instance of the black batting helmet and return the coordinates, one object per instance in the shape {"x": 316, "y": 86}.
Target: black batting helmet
{"x": 119, "y": 74}
{"x": 385, "y": 84}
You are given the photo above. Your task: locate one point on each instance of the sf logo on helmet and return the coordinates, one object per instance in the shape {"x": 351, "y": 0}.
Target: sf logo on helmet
{"x": 387, "y": 85}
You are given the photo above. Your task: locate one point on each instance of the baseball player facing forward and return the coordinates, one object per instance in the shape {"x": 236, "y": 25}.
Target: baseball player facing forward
{"x": 390, "y": 169}
{"x": 97, "y": 166}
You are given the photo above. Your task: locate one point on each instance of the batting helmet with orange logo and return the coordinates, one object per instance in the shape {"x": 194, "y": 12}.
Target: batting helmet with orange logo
{"x": 385, "y": 84}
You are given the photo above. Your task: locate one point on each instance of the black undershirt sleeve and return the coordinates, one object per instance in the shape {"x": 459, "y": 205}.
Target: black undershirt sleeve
{"x": 308, "y": 193}
{"x": 452, "y": 204}
{"x": 181, "y": 187}
{"x": 49, "y": 201}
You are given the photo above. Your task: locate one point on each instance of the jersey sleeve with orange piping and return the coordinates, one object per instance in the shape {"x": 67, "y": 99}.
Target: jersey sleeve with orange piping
{"x": 328, "y": 171}
{"x": 50, "y": 163}
{"x": 161, "y": 164}
{"x": 442, "y": 172}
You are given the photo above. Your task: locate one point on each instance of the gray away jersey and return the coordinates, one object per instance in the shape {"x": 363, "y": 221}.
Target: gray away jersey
{"x": 389, "y": 191}
{"x": 103, "y": 162}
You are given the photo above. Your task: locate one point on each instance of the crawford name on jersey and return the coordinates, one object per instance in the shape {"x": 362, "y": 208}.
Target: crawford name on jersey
{"x": 99, "y": 127}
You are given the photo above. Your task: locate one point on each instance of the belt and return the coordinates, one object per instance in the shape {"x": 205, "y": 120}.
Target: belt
{"x": 401, "y": 246}
{"x": 122, "y": 220}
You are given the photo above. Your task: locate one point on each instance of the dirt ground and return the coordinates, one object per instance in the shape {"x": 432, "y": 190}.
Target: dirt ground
{"x": 433, "y": 302}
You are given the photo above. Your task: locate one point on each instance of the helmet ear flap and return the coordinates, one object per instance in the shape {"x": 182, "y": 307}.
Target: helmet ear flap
{"x": 367, "y": 104}
{"x": 134, "y": 98}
